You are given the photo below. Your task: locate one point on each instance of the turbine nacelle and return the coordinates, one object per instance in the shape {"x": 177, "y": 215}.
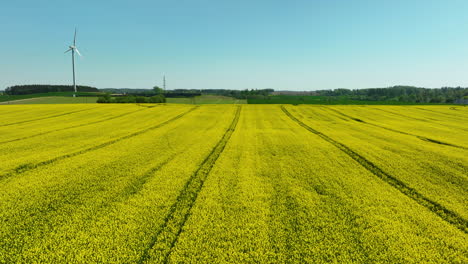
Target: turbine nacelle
{"x": 74, "y": 49}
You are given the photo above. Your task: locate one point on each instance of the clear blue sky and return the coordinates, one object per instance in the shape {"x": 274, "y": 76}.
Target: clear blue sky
{"x": 294, "y": 45}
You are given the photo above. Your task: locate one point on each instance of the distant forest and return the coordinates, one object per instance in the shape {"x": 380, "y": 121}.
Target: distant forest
{"x": 238, "y": 94}
{"x": 402, "y": 93}
{"x": 406, "y": 94}
{"x": 46, "y": 88}
{"x": 125, "y": 90}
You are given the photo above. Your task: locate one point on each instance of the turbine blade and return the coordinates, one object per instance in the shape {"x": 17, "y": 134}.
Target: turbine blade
{"x": 74, "y": 38}
{"x": 78, "y": 52}
{"x": 68, "y": 50}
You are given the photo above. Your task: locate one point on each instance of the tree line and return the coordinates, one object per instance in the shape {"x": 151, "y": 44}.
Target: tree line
{"x": 399, "y": 93}
{"x": 46, "y": 88}
{"x": 238, "y": 94}
{"x": 402, "y": 93}
{"x": 129, "y": 99}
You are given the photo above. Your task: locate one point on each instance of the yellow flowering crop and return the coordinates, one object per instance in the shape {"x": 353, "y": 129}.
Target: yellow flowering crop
{"x": 233, "y": 184}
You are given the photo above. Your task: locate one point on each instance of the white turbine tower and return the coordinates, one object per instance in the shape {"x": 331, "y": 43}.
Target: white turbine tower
{"x": 73, "y": 49}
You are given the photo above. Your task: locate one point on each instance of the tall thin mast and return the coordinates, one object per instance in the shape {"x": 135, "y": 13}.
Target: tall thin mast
{"x": 73, "y": 66}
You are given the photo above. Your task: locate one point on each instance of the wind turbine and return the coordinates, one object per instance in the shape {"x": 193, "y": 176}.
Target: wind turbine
{"x": 73, "y": 49}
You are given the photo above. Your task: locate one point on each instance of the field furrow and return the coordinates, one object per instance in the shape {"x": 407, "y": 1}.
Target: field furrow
{"x": 166, "y": 237}
{"x": 409, "y": 119}
{"x": 441, "y": 115}
{"x": 46, "y": 117}
{"x": 436, "y": 171}
{"x": 30, "y": 166}
{"x": 396, "y": 131}
{"x": 20, "y": 113}
{"x": 280, "y": 194}
{"x": 229, "y": 184}
{"x": 86, "y": 195}
{"x": 30, "y": 135}
{"x": 435, "y": 207}
{"x": 50, "y": 148}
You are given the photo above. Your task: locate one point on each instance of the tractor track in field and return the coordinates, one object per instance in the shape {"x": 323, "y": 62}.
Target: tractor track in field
{"x": 444, "y": 213}
{"x": 398, "y": 131}
{"x": 440, "y": 113}
{"x": 137, "y": 184}
{"x": 418, "y": 119}
{"x": 27, "y": 167}
{"x": 166, "y": 237}
{"x": 71, "y": 127}
{"x": 398, "y": 114}
{"x": 47, "y": 117}
{"x": 133, "y": 187}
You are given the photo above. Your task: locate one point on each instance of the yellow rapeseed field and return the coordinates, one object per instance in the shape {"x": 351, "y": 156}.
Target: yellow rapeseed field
{"x": 233, "y": 184}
